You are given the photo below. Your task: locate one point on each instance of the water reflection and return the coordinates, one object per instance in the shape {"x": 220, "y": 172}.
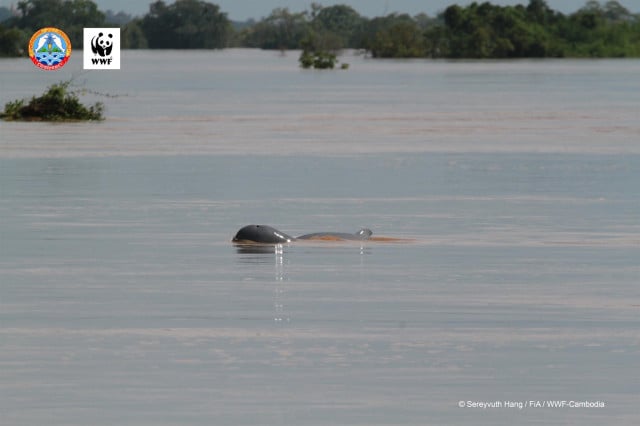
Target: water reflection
{"x": 257, "y": 249}
{"x": 257, "y": 254}
{"x": 259, "y": 258}
{"x": 280, "y": 314}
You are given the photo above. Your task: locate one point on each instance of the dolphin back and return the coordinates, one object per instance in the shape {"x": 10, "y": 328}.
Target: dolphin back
{"x": 362, "y": 234}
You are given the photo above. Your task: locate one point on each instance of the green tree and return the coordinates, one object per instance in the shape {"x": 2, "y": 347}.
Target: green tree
{"x": 461, "y": 27}
{"x": 615, "y": 12}
{"x": 538, "y": 11}
{"x": 132, "y": 36}
{"x": 71, "y": 16}
{"x": 402, "y": 39}
{"x": 340, "y": 22}
{"x": 185, "y": 24}
{"x": 13, "y": 42}
{"x": 280, "y": 30}
{"x": 394, "y": 36}
{"x": 436, "y": 42}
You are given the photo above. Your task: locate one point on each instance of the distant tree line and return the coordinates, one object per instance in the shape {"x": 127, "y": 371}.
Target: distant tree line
{"x": 480, "y": 30}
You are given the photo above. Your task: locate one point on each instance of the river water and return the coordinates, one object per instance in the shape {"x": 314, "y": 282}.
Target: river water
{"x": 122, "y": 300}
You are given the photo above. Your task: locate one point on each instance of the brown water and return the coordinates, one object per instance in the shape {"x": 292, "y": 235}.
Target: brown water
{"x": 122, "y": 300}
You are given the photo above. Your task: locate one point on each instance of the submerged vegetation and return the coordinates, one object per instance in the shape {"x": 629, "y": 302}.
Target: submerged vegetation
{"x": 317, "y": 59}
{"x": 479, "y": 30}
{"x": 58, "y": 103}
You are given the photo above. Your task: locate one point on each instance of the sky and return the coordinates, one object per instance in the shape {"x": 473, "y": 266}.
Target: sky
{"x": 240, "y": 10}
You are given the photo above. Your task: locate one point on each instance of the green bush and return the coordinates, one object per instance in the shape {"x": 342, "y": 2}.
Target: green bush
{"x": 318, "y": 60}
{"x": 56, "y": 104}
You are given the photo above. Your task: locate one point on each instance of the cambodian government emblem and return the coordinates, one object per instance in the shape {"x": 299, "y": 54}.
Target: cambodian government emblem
{"x": 49, "y": 48}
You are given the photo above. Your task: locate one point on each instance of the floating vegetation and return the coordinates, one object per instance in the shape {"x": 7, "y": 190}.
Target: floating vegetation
{"x": 58, "y": 103}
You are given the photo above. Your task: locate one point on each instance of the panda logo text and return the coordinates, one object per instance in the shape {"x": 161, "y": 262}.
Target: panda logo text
{"x": 101, "y": 48}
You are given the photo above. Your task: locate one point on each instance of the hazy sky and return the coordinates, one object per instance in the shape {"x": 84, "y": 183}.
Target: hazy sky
{"x": 244, "y": 9}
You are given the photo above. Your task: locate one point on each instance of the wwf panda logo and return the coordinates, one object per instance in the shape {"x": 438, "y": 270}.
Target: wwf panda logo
{"x": 102, "y": 45}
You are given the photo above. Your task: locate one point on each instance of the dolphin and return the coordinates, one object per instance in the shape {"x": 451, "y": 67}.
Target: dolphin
{"x": 265, "y": 234}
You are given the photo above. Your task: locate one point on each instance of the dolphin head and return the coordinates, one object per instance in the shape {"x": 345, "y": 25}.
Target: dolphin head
{"x": 263, "y": 234}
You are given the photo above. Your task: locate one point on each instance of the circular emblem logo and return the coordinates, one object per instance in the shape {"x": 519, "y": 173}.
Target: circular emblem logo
{"x": 49, "y": 48}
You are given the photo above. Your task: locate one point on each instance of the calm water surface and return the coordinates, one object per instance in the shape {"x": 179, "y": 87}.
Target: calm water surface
{"x": 122, "y": 300}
